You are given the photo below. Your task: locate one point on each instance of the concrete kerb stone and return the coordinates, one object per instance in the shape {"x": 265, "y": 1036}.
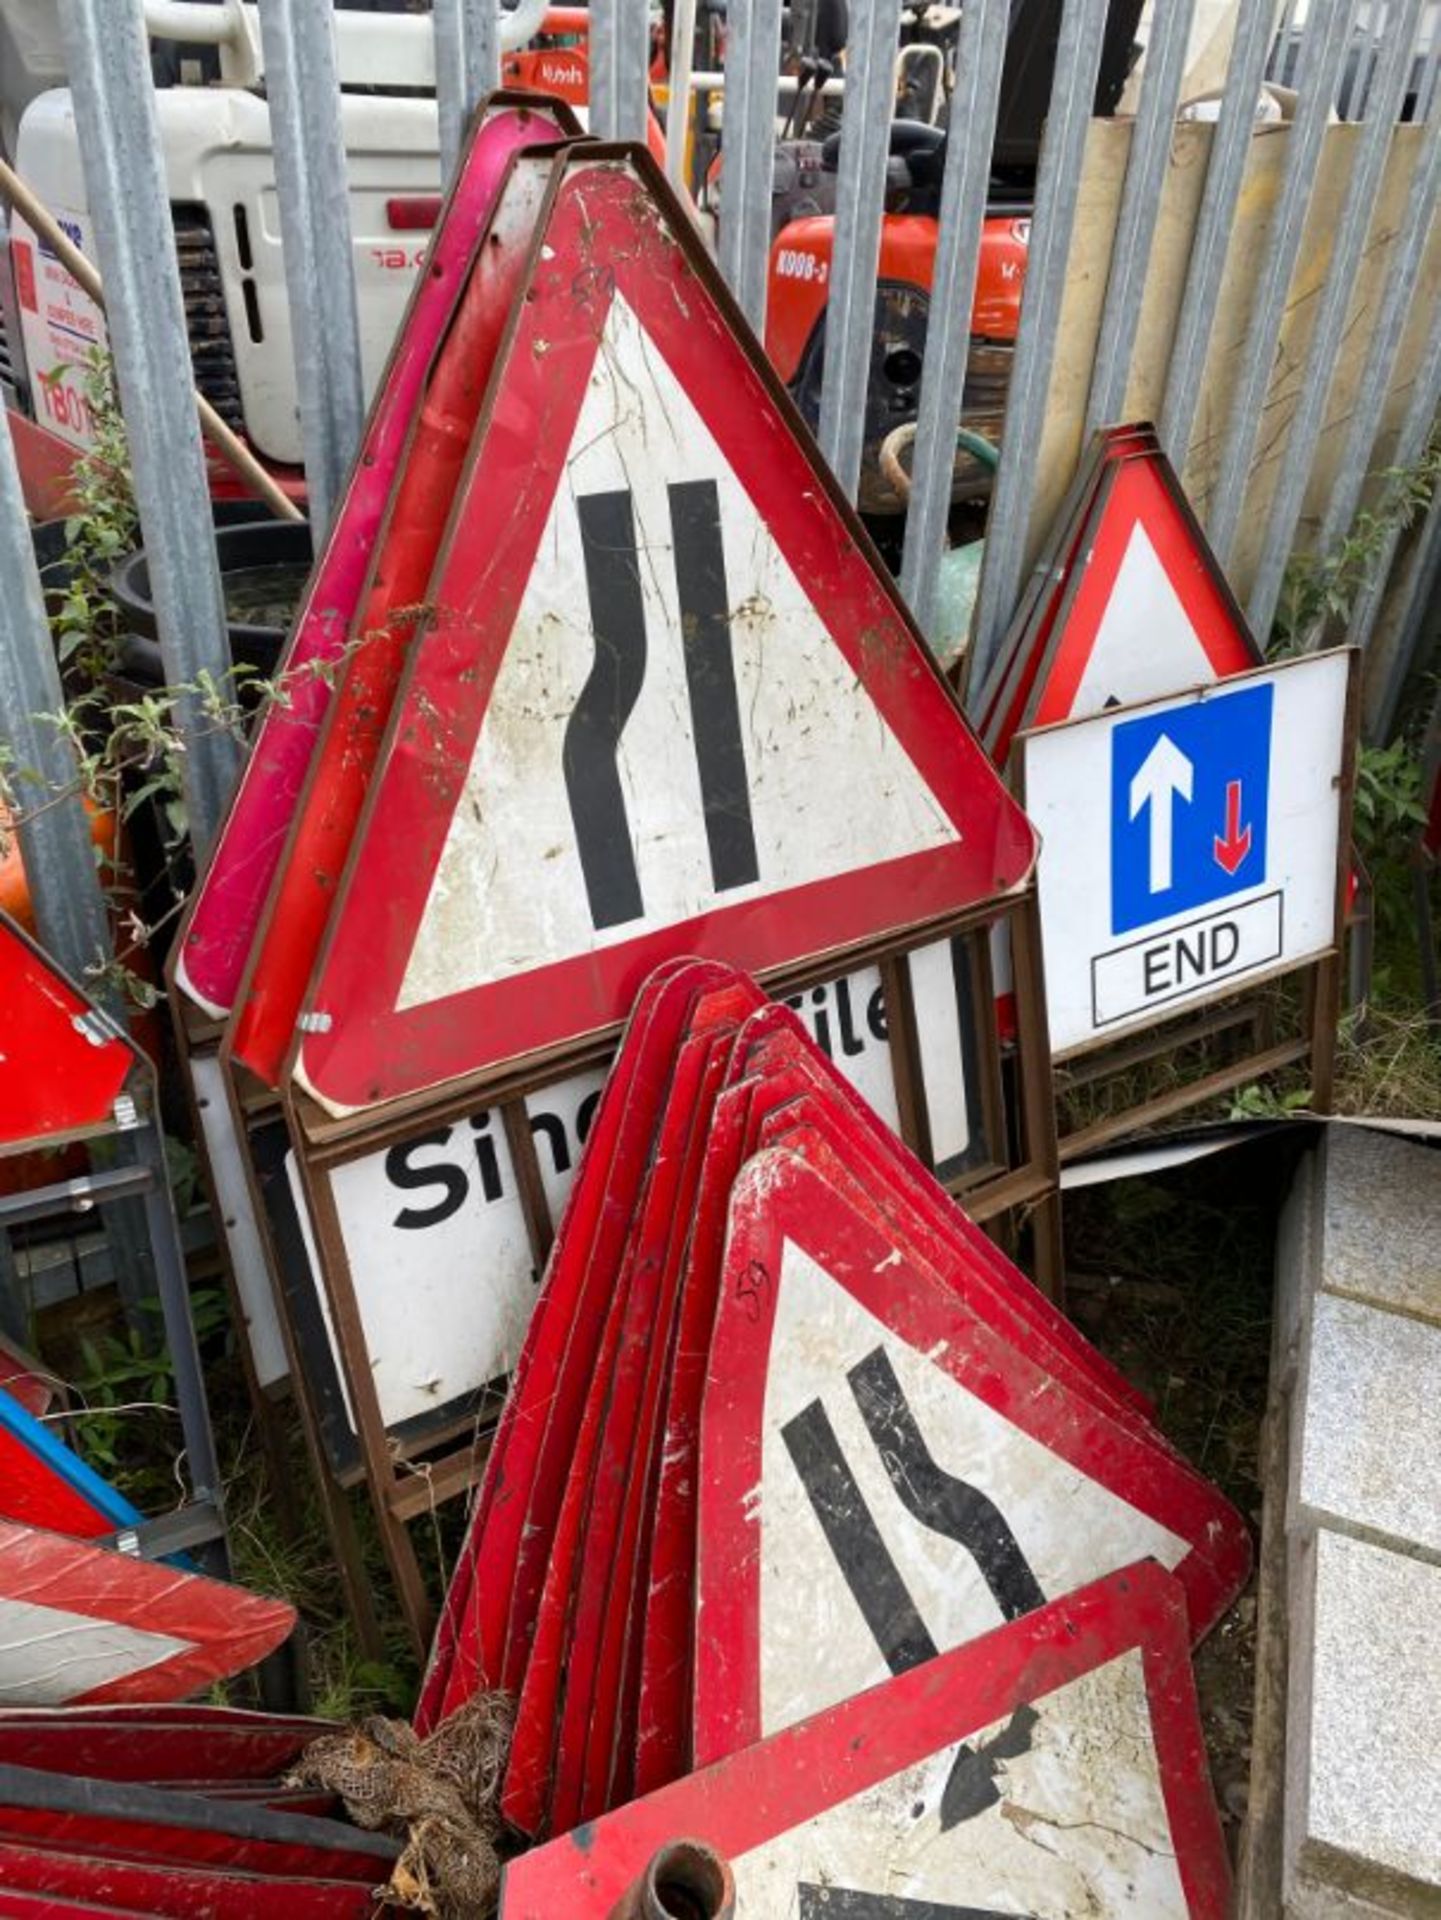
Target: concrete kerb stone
{"x": 1382, "y": 1212}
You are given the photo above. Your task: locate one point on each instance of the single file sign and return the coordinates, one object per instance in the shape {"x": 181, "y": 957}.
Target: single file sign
{"x": 1188, "y": 845}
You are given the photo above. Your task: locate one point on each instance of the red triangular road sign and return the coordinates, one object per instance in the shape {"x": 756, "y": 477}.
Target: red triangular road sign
{"x": 63, "y": 1063}
{"x": 83, "y": 1623}
{"x": 883, "y": 1477}
{"x": 1132, "y": 606}
{"x": 667, "y": 699}
{"x": 1053, "y": 1766}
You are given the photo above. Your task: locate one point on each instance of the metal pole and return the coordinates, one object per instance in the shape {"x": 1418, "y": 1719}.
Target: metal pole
{"x": 1417, "y": 428}
{"x": 980, "y": 58}
{"x": 681, "y": 54}
{"x": 1323, "y": 48}
{"x": 752, "y": 57}
{"x": 1408, "y": 252}
{"x": 1058, "y": 180}
{"x": 619, "y": 45}
{"x": 1230, "y": 148}
{"x": 1140, "y": 208}
{"x": 42, "y": 774}
{"x": 298, "y": 41}
{"x": 1392, "y": 651}
{"x": 467, "y": 67}
{"x": 119, "y": 136}
{"x": 860, "y": 197}
{"x": 1329, "y": 331}
{"x": 174, "y": 1290}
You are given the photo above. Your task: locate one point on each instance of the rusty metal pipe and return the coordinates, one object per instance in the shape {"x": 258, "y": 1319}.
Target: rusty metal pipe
{"x": 686, "y": 1880}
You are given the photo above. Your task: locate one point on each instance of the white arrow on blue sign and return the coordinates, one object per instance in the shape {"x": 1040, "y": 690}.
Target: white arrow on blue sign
{"x": 1187, "y": 844}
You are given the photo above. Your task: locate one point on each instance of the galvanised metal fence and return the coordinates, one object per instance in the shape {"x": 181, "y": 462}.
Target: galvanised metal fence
{"x": 1345, "y": 60}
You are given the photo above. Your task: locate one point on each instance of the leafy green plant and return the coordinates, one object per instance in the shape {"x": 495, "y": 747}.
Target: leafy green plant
{"x": 1321, "y": 588}
{"x": 126, "y": 1379}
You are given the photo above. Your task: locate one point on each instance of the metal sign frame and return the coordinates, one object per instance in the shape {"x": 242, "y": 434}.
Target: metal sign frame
{"x": 135, "y": 1118}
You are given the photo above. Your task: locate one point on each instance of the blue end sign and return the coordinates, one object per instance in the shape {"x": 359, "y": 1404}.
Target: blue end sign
{"x": 1188, "y": 806}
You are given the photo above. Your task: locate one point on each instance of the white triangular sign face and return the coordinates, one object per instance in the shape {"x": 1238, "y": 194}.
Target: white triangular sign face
{"x": 1146, "y": 644}
{"x": 1067, "y": 1527}
{"x": 807, "y": 726}
{"x": 1057, "y": 1810}
{"x": 663, "y": 699}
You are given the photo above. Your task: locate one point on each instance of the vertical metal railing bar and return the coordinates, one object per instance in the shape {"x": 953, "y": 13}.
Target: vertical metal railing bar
{"x": 619, "y": 45}
{"x": 1418, "y": 427}
{"x": 980, "y": 61}
{"x": 1230, "y": 150}
{"x": 1430, "y": 69}
{"x": 118, "y": 128}
{"x": 601, "y": 49}
{"x": 1408, "y": 253}
{"x": 749, "y": 141}
{"x": 450, "y": 84}
{"x": 1140, "y": 208}
{"x": 860, "y": 205}
{"x": 42, "y": 773}
{"x": 1058, "y": 180}
{"x": 1329, "y": 329}
{"x": 1275, "y": 59}
{"x": 1357, "y": 84}
{"x": 1392, "y": 652}
{"x": 467, "y": 68}
{"x": 680, "y": 54}
{"x": 1321, "y": 54}
{"x": 302, "y": 86}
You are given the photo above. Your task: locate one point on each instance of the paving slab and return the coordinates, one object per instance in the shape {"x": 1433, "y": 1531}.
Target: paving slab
{"x": 1382, "y": 1233}
{"x": 1371, "y": 1427}
{"x": 1365, "y": 1772}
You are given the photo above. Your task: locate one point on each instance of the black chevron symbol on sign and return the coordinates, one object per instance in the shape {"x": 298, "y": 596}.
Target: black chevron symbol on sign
{"x": 845, "y": 1903}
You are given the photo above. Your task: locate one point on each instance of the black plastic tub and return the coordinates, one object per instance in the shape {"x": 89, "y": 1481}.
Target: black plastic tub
{"x": 264, "y": 565}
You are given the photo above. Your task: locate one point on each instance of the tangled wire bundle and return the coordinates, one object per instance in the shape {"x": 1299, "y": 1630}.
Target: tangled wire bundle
{"x": 440, "y": 1794}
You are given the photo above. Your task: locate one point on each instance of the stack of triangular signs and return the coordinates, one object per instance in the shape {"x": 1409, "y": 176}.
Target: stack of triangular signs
{"x": 646, "y": 689}
{"x": 371, "y": 574}
{"x": 1125, "y": 602}
{"x": 786, "y": 1422}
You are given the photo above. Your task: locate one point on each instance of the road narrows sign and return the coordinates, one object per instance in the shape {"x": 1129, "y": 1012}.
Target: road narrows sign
{"x": 1191, "y": 845}
{"x": 216, "y": 940}
{"x": 672, "y": 602}
{"x": 1055, "y": 1766}
{"x": 883, "y": 1477}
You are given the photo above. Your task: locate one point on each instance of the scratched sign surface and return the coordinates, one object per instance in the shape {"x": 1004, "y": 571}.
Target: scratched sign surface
{"x": 1053, "y": 1769}
{"x": 883, "y": 1477}
{"x": 1190, "y": 845}
{"x": 666, "y": 701}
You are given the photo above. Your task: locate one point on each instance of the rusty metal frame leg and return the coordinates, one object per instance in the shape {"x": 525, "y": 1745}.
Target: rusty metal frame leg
{"x": 905, "y": 1046}
{"x": 380, "y": 1469}
{"x": 1325, "y": 1014}
{"x": 1037, "y": 1094}
{"x": 335, "y": 1505}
